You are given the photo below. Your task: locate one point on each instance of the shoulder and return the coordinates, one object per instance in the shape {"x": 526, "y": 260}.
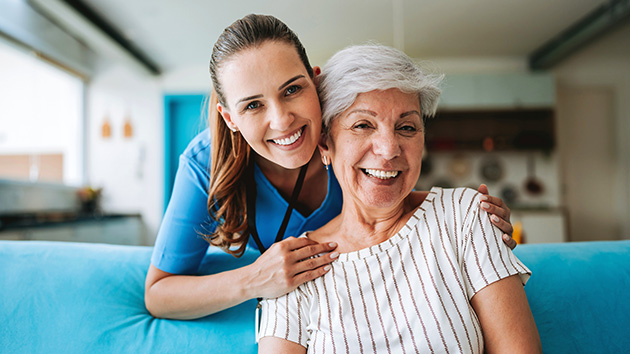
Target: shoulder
{"x": 447, "y": 196}
{"x": 199, "y": 148}
{"x": 463, "y": 196}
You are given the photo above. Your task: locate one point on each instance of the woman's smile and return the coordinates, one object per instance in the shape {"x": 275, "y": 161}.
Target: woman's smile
{"x": 380, "y": 174}
{"x": 292, "y": 140}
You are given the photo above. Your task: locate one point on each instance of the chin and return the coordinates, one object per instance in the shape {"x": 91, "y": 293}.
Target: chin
{"x": 382, "y": 201}
{"x": 295, "y": 163}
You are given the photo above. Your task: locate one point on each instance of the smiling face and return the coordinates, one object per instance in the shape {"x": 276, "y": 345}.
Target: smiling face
{"x": 272, "y": 101}
{"x": 376, "y": 148}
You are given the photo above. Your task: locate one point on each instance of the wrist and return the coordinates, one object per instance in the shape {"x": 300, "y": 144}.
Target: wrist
{"x": 248, "y": 279}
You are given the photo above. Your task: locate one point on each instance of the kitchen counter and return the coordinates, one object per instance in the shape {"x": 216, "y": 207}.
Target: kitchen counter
{"x": 123, "y": 229}
{"x": 41, "y": 220}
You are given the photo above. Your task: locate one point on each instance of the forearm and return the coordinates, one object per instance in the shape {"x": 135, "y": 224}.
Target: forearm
{"x": 186, "y": 297}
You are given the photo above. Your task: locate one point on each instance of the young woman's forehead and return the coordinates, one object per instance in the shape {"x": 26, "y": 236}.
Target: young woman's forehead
{"x": 261, "y": 68}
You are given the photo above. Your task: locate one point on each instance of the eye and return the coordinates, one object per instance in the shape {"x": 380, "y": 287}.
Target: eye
{"x": 292, "y": 90}
{"x": 408, "y": 128}
{"x": 252, "y": 105}
{"x": 361, "y": 126}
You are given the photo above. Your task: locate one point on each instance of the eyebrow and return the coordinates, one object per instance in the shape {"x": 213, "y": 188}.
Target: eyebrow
{"x": 248, "y": 98}
{"x": 373, "y": 114}
{"x": 279, "y": 88}
{"x": 290, "y": 81}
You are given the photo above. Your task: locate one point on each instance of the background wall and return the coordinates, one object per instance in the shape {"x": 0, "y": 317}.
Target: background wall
{"x": 592, "y": 153}
{"x": 593, "y": 117}
{"x": 593, "y": 150}
{"x": 130, "y": 170}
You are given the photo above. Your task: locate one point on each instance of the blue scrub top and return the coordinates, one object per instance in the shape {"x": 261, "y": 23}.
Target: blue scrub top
{"x": 179, "y": 248}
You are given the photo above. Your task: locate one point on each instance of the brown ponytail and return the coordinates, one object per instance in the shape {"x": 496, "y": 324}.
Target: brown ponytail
{"x": 227, "y": 199}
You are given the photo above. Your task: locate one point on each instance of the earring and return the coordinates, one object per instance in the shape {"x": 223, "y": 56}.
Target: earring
{"x": 326, "y": 163}
{"x": 233, "y": 128}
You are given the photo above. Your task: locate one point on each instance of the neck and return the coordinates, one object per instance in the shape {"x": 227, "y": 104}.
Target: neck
{"x": 358, "y": 227}
{"x": 283, "y": 179}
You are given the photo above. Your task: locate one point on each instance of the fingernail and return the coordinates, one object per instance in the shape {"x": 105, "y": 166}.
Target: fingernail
{"x": 494, "y": 218}
{"x": 333, "y": 244}
{"x": 506, "y": 237}
{"x": 334, "y": 255}
{"x": 483, "y": 197}
{"x": 327, "y": 268}
{"x": 485, "y": 205}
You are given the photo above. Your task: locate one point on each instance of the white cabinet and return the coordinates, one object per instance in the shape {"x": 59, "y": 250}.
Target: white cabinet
{"x": 497, "y": 91}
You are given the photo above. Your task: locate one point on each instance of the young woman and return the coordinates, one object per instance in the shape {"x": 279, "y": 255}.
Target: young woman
{"x": 239, "y": 182}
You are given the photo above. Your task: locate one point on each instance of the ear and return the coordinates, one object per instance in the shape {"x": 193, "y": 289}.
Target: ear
{"x": 316, "y": 72}
{"x": 227, "y": 118}
{"x": 324, "y": 145}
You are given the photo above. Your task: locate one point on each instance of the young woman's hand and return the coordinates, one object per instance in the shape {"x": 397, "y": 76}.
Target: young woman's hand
{"x": 288, "y": 264}
{"x": 499, "y": 214}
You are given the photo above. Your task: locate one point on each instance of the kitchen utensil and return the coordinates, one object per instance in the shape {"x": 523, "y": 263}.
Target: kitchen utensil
{"x": 459, "y": 166}
{"x": 533, "y": 185}
{"x": 491, "y": 169}
{"x": 509, "y": 194}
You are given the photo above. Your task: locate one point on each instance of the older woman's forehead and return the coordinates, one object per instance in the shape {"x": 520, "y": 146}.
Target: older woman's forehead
{"x": 386, "y": 99}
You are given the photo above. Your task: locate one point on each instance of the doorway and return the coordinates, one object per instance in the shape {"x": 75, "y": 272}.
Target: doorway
{"x": 184, "y": 118}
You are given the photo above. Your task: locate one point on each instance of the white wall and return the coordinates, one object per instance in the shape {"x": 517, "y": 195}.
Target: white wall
{"x": 602, "y": 68}
{"x": 130, "y": 170}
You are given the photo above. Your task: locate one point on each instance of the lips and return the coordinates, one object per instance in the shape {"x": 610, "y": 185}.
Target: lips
{"x": 380, "y": 174}
{"x": 290, "y": 139}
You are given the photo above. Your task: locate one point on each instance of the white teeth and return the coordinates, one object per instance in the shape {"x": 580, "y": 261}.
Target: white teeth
{"x": 381, "y": 174}
{"x": 290, "y": 140}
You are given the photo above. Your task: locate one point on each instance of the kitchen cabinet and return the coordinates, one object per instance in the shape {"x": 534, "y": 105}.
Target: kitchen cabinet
{"x": 497, "y": 91}
{"x": 542, "y": 226}
{"x": 123, "y": 230}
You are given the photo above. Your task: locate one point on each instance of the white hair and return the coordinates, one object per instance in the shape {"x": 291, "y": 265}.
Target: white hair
{"x": 364, "y": 68}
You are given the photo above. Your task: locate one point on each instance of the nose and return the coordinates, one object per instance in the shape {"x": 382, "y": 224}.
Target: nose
{"x": 386, "y": 144}
{"x": 280, "y": 118}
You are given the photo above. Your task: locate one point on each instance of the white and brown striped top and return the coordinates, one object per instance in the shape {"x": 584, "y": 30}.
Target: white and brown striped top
{"x": 409, "y": 294}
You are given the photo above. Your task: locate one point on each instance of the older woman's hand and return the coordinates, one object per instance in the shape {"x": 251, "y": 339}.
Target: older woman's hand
{"x": 500, "y": 214}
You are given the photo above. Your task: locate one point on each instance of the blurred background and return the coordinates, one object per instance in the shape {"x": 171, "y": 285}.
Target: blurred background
{"x": 99, "y": 98}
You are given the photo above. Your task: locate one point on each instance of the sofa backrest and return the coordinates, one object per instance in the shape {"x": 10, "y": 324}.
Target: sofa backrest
{"x": 578, "y": 294}
{"x": 70, "y": 298}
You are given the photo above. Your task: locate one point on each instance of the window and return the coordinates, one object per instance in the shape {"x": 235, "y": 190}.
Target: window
{"x": 41, "y": 119}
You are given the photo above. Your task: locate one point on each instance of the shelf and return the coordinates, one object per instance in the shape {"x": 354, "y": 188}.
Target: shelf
{"x": 491, "y": 130}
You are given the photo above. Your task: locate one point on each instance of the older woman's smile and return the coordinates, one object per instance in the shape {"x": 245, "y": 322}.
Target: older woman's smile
{"x": 380, "y": 174}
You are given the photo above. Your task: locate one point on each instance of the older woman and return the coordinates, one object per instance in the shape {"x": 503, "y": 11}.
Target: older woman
{"x": 417, "y": 271}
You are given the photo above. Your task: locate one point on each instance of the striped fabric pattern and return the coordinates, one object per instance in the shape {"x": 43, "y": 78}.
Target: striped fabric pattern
{"x": 409, "y": 294}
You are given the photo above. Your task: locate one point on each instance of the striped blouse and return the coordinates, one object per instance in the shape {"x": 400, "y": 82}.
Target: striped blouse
{"x": 409, "y": 294}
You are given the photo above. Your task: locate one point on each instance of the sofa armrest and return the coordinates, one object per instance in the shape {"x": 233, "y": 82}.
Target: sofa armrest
{"x": 60, "y": 297}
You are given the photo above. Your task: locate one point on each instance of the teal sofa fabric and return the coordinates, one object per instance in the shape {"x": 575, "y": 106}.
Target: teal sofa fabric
{"x": 70, "y": 298}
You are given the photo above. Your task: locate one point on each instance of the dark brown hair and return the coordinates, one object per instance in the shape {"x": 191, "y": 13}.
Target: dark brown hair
{"x": 231, "y": 155}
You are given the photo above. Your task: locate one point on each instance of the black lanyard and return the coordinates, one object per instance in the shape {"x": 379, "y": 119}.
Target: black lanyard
{"x": 251, "y": 205}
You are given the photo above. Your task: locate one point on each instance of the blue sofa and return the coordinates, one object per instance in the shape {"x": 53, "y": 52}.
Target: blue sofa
{"x": 88, "y": 298}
